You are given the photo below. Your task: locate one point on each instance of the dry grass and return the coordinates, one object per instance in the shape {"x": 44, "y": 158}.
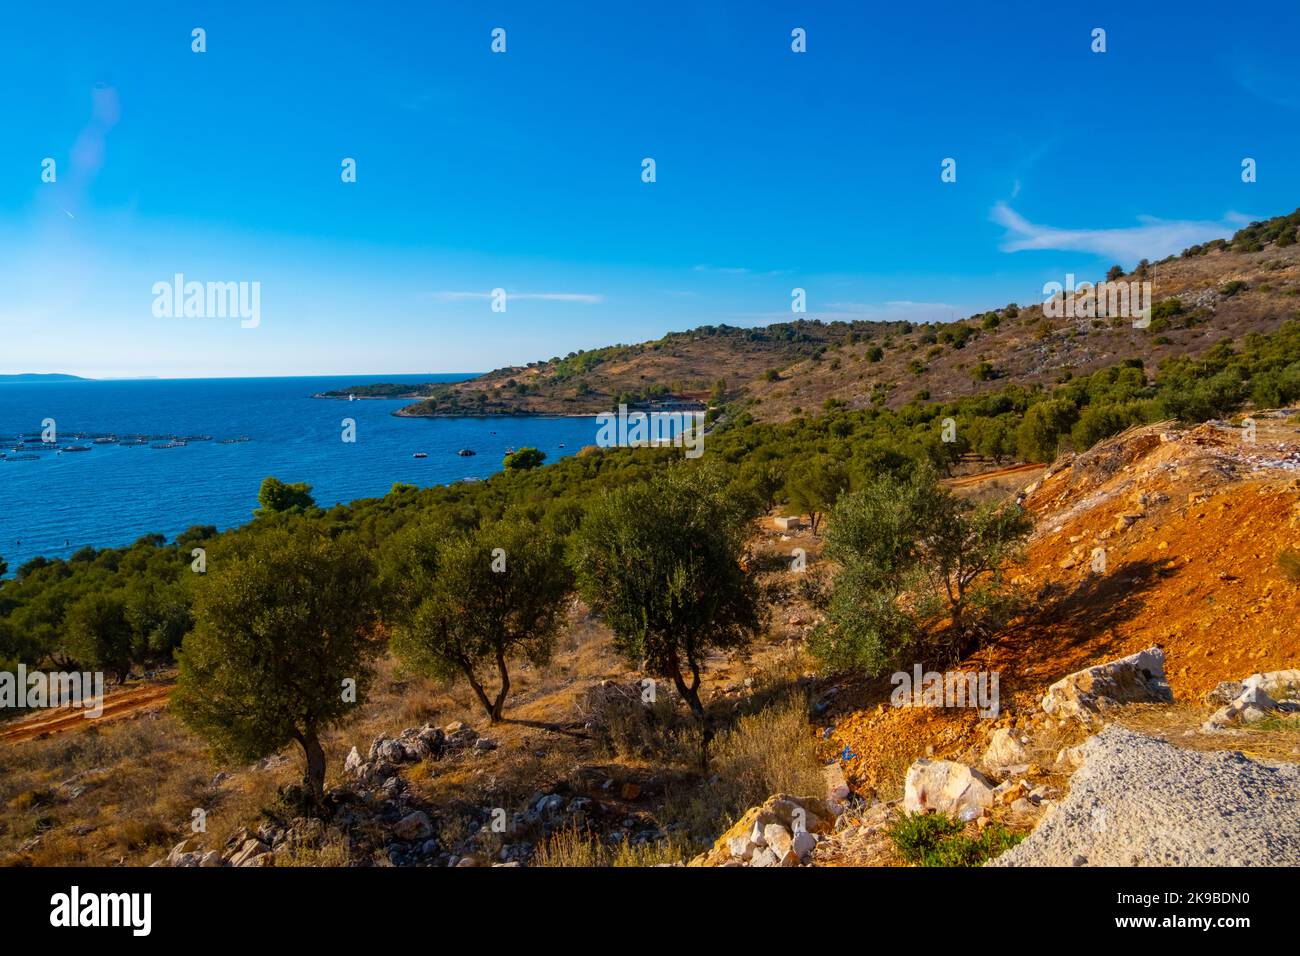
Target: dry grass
{"x": 123, "y": 793}
{"x": 576, "y": 848}
{"x": 1276, "y": 738}
{"x": 143, "y": 776}
{"x": 770, "y": 751}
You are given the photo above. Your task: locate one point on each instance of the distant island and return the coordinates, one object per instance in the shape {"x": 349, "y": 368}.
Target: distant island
{"x": 43, "y": 377}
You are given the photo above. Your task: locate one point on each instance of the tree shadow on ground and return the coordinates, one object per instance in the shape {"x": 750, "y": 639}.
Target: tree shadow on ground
{"x": 1069, "y": 628}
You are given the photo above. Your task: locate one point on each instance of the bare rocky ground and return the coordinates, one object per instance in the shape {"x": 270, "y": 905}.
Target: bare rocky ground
{"x": 1191, "y": 522}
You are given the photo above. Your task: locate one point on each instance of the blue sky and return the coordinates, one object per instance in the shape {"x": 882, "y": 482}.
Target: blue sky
{"x": 522, "y": 170}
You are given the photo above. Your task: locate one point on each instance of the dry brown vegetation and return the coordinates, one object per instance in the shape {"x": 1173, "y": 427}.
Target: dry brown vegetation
{"x": 143, "y": 774}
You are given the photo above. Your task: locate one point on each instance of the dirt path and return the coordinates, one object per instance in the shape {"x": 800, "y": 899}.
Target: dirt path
{"x": 967, "y": 481}
{"x": 123, "y": 703}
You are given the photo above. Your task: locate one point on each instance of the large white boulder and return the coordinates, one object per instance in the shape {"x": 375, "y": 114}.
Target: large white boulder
{"x": 945, "y": 786}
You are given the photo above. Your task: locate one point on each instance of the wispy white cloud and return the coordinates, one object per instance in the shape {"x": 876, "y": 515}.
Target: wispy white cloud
{"x": 585, "y": 298}
{"x": 1152, "y": 239}
{"x": 1270, "y": 84}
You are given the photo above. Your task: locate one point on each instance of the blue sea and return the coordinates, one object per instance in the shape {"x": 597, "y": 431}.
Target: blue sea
{"x": 113, "y": 494}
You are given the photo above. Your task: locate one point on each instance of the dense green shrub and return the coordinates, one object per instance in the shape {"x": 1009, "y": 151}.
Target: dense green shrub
{"x": 920, "y": 574}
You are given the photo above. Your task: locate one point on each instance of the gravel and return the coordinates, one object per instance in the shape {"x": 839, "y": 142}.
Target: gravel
{"x": 1140, "y": 801}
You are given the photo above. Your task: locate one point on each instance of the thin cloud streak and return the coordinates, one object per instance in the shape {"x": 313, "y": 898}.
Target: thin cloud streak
{"x": 1153, "y": 239}
{"x": 739, "y": 271}
{"x": 582, "y": 297}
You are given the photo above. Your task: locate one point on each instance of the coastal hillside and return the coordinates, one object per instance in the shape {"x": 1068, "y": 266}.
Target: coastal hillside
{"x": 703, "y": 365}
{"x": 1193, "y": 521}
{"x": 1223, "y": 289}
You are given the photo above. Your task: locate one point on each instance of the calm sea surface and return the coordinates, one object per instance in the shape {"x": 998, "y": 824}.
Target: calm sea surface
{"x": 113, "y": 494}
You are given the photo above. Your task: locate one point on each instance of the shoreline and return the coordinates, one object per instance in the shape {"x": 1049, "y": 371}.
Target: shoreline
{"x": 518, "y": 413}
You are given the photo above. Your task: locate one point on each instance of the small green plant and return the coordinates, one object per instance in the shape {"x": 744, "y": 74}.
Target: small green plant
{"x": 933, "y": 839}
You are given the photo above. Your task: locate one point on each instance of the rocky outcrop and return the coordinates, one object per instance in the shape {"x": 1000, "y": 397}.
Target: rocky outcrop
{"x": 247, "y": 847}
{"x": 1088, "y": 694}
{"x": 1254, "y": 699}
{"x": 783, "y": 831}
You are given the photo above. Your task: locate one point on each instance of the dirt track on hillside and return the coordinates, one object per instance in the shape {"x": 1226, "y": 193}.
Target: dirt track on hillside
{"x": 124, "y": 703}
{"x": 966, "y": 481}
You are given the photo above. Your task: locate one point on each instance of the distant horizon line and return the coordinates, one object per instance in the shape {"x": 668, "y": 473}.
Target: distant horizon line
{"x": 71, "y": 376}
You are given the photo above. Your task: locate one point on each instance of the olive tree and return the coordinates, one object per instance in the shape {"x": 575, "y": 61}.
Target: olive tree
{"x": 275, "y": 497}
{"x": 282, "y": 646}
{"x": 97, "y": 632}
{"x": 921, "y": 571}
{"x": 814, "y": 485}
{"x": 479, "y": 598}
{"x": 661, "y": 562}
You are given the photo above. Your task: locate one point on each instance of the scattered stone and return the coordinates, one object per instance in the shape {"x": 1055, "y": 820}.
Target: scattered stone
{"x": 777, "y": 839}
{"x": 1070, "y": 758}
{"x": 1006, "y": 749}
{"x": 414, "y": 826}
{"x": 251, "y": 850}
{"x": 837, "y": 788}
{"x": 946, "y": 787}
{"x": 354, "y": 762}
{"x": 1258, "y": 696}
{"x": 1087, "y": 694}
{"x": 741, "y": 847}
{"x": 780, "y": 832}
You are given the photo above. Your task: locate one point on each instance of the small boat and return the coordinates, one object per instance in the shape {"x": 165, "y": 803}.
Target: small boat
{"x": 234, "y": 441}
{"x": 561, "y": 444}
{"x": 77, "y": 448}
{"x": 420, "y": 454}
{"x": 168, "y": 444}
{"x": 106, "y": 440}
{"x": 467, "y": 453}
